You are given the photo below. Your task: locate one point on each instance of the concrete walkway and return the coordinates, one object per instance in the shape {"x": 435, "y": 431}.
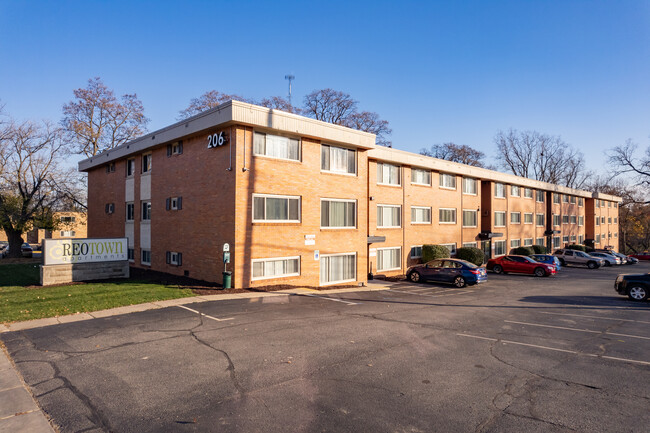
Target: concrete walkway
{"x": 19, "y": 412}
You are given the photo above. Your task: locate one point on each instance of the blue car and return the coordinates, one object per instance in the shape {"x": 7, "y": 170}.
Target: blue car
{"x": 453, "y": 271}
{"x": 547, "y": 258}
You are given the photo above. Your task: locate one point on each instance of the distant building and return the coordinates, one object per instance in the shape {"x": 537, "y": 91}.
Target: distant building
{"x": 71, "y": 225}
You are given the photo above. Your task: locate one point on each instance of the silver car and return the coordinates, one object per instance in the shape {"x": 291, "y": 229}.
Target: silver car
{"x": 610, "y": 260}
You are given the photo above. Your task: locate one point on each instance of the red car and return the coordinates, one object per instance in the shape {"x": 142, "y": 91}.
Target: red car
{"x": 521, "y": 265}
{"x": 641, "y": 256}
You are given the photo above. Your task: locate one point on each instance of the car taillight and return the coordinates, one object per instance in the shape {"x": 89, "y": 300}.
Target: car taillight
{"x": 475, "y": 271}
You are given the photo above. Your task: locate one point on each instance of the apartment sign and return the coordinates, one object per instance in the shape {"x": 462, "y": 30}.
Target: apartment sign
{"x": 68, "y": 251}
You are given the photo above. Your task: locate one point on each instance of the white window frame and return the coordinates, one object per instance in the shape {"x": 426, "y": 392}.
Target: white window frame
{"x": 528, "y": 193}
{"x": 265, "y": 155}
{"x": 342, "y": 173}
{"x": 399, "y": 259}
{"x": 142, "y": 260}
{"x": 528, "y": 242}
{"x": 565, "y": 198}
{"x": 287, "y": 197}
{"x": 411, "y": 252}
{"x": 556, "y": 198}
{"x": 565, "y": 239}
{"x": 68, "y": 233}
{"x": 574, "y": 239}
{"x": 556, "y": 242}
{"x": 539, "y": 193}
{"x": 505, "y": 250}
{"x": 422, "y": 222}
{"x": 505, "y": 218}
{"x": 543, "y": 219}
{"x": 559, "y": 220}
{"x": 543, "y": 242}
{"x": 573, "y": 219}
{"x": 399, "y": 214}
{"x": 581, "y": 201}
{"x": 470, "y": 181}
{"x": 513, "y": 241}
{"x": 452, "y": 250}
{"x": 442, "y": 183}
{"x": 421, "y": 170}
{"x": 513, "y": 214}
{"x": 274, "y": 259}
{"x": 499, "y": 190}
{"x": 329, "y": 283}
{"x": 528, "y": 214}
{"x": 447, "y": 222}
{"x": 340, "y": 200}
{"x": 475, "y": 212}
{"x": 565, "y": 218}
{"x": 146, "y": 213}
{"x": 132, "y": 206}
{"x": 470, "y": 244}
{"x": 514, "y": 188}
{"x": 382, "y": 181}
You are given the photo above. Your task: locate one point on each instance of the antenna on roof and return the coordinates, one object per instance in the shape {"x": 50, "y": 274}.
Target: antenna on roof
{"x": 290, "y": 78}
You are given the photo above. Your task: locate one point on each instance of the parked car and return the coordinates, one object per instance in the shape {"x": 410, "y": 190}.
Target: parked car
{"x": 609, "y": 259}
{"x": 575, "y": 257}
{"x": 454, "y": 271}
{"x": 3, "y": 248}
{"x": 641, "y": 256}
{"x": 548, "y": 259}
{"x": 632, "y": 260}
{"x": 26, "y": 250}
{"x": 635, "y": 286}
{"x": 520, "y": 264}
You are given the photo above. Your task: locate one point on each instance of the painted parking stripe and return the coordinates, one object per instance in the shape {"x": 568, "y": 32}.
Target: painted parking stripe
{"x": 330, "y": 299}
{"x": 596, "y": 317}
{"x": 203, "y": 314}
{"x": 564, "y": 328}
{"x": 435, "y": 296}
{"x": 555, "y": 349}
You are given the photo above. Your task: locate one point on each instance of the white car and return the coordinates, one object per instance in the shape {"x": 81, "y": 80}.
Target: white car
{"x": 610, "y": 259}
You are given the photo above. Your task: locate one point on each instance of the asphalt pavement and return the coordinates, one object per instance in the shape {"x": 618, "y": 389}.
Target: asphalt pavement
{"x": 518, "y": 353}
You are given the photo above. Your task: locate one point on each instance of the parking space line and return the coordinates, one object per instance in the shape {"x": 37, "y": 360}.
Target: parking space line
{"x": 555, "y": 349}
{"x": 435, "y": 296}
{"x": 539, "y": 325}
{"x": 596, "y": 317}
{"x": 203, "y": 314}
{"x": 330, "y": 299}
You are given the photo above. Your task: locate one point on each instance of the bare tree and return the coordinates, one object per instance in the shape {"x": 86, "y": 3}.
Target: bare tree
{"x": 624, "y": 162}
{"x": 541, "y": 157}
{"x": 209, "y": 99}
{"x": 460, "y": 153}
{"x": 279, "y": 103}
{"x": 370, "y": 122}
{"x": 96, "y": 120}
{"x": 30, "y": 170}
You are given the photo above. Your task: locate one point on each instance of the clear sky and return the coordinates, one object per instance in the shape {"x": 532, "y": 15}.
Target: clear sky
{"x": 437, "y": 71}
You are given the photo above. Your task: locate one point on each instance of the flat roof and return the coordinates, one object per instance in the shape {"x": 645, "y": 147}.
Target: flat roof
{"x": 236, "y": 112}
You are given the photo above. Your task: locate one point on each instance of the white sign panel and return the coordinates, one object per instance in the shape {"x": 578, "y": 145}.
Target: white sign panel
{"x": 373, "y": 252}
{"x": 226, "y": 248}
{"x": 67, "y": 251}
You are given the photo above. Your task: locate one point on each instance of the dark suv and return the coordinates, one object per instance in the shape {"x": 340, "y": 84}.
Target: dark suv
{"x": 635, "y": 286}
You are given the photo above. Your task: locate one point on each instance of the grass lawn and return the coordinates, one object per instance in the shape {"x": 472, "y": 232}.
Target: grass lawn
{"x": 21, "y": 298}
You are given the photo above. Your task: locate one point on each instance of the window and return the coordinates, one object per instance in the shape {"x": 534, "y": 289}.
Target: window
{"x": 130, "y": 254}
{"x": 339, "y": 268}
{"x": 499, "y": 190}
{"x": 515, "y": 243}
{"x": 581, "y": 239}
{"x": 145, "y": 257}
{"x": 528, "y": 242}
{"x": 389, "y": 216}
{"x": 539, "y": 241}
{"x": 615, "y": 220}
{"x": 528, "y": 218}
{"x": 130, "y": 211}
{"x": 573, "y": 239}
{"x": 175, "y": 148}
{"x": 67, "y": 233}
{"x": 388, "y": 174}
{"x": 602, "y": 220}
{"x": 275, "y": 146}
{"x": 597, "y": 239}
{"x": 615, "y": 206}
{"x": 109, "y": 208}
{"x": 528, "y": 193}
{"x": 609, "y": 220}
{"x": 515, "y": 217}
{"x": 276, "y": 208}
{"x": 146, "y": 163}
{"x": 565, "y": 198}
{"x": 581, "y": 201}
{"x": 130, "y": 167}
{"x": 146, "y": 211}
{"x": 499, "y": 219}
{"x": 556, "y": 242}
{"x": 597, "y": 203}
{"x": 420, "y": 176}
{"x": 573, "y": 219}
{"x": 615, "y": 234}
{"x": 539, "y": 196}
{"x": 556, "y": 198}
{"x": 470, "y": 244}
{"x": 609, "y": 204}
{"x": 173, "y": 258}
{"x": 416, "y": 251}
{"x": 581, "y": 220}
{"x": 597, "y": 221}
{"x": 565, "y": 219}
{"x": 174, "y": 203}
{"x": 565, "y": 239}
{"x": 338, "y": 159}
{"x": 388, "y": 259}
{"x": 275, "y": 268}
{"x": 573, "y": 199}
{"x": 447, "y": 181}
{"x": 515, "y": 191}
{"x": 338, "y": 213}
{"x": 539, "y": 220}
{"x": 110, "y": 167}
{"x": 499, "y": 248}
{"x": 447, "y": 216}
{"x": 420, "y": 215}
{"x": 68, "y": 219}
{"x": 470, "y": 218}
{"x": 556, "y": 220}
{"x": 470, "y": 186}
{"x": 451, "y": 248}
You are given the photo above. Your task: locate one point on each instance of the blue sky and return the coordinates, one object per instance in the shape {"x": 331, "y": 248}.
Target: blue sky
{"x": 438, "y": 71}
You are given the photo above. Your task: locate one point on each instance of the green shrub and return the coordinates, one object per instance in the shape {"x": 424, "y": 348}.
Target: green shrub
{"x": 577, "y": 247}
{"x": 523, "y": 251}
{"x": 431, "y": 252}
{"x": 471, "y": 254}
{"x": 539, "y": 249}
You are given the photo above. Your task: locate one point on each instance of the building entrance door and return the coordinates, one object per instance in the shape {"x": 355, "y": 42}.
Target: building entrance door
{"x": 486, "y": 246}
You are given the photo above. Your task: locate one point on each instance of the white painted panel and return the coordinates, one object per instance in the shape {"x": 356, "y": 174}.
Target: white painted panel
{"x": 145, "y": 187}
{"x": 129, "y": 192}
{"x": 129, "y": 231}
{"x": 145, "y": 235}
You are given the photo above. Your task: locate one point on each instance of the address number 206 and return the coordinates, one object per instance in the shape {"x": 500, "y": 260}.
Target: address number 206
{"x": 215, "y": 140}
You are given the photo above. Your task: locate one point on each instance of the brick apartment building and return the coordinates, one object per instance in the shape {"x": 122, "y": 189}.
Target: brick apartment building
{"x": 304, "y": 202}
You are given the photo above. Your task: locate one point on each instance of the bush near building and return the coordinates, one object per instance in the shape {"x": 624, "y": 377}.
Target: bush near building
{"x": 539, "y": 249}
{"x": 577, "y": 247}
{"x": 471, "y": 254}
{"x": 432, "y": 252}
{"x": 523, "y": 251}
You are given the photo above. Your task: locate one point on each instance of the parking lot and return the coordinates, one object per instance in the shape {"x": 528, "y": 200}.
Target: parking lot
{"x": 518, "y": 353}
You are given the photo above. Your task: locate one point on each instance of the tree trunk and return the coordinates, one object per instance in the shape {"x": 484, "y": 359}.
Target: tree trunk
{"x": 15, "y": 242}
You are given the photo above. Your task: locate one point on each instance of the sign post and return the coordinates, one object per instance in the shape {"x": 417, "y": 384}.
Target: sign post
{"x": 227, "y": 276}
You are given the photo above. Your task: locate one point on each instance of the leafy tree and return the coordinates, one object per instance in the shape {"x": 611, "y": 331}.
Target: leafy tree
{"x": 96, "y": 120}
{"x": 460, "y": 153}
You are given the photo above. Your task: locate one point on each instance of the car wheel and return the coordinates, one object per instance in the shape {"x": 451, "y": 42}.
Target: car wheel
{"x": 608, "y": 264}
{"x": 592, "y": 265}
{"x": 637, "y": 293}
{"x": 415, "y": 277}
{"x": 459, "y": 282}
{"x": 497, "y": 269}
{"x": 540, "y": 272}
{"x": 562, "y": 262}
